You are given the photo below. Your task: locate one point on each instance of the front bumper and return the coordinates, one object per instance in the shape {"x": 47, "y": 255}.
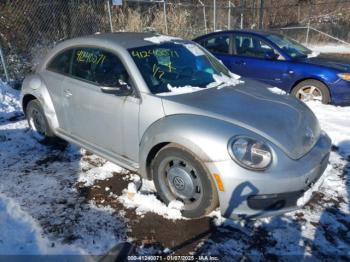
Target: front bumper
{"x": 251, "y": 194}
{"x": 340, "y": 92}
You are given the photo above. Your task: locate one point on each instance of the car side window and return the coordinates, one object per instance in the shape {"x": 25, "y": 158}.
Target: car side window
{"x": 61, "y": 62}
{"x": 98, "y": 66}
{"x": 246, "y": 45}
{"x": 218, "y": 44}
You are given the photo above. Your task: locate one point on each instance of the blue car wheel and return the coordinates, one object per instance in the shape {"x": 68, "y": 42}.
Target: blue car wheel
{"x": 312, "y": 90}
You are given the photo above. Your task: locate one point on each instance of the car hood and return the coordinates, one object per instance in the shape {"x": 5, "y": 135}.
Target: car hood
{"x": 336, "y": 63}
{"x": 282, "y": 119}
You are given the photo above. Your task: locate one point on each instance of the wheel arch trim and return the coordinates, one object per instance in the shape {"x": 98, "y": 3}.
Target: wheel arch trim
{"x": 32, "y": 90}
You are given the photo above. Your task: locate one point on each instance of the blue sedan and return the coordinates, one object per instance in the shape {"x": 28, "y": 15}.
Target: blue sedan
{"x": 280, "y": 61}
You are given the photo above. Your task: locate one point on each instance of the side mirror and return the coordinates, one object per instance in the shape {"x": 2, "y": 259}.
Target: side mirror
{"x": 121, "y": 89}
{"x": 270, "y": 55}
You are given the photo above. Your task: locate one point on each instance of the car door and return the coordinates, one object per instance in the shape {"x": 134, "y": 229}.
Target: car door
{"x": 255, "y": 58}
{"x": 106, "y": 121}
{"x": 53, "y": 76}
{"x": 220, "y": 45}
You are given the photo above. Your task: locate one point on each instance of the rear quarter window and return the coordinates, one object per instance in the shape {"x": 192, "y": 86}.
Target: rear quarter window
{"x": 217, "y": 44}
{"x": 61, "y": 62}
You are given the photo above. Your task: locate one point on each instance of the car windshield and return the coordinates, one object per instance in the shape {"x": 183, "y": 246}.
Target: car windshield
{"x": 291, "y": 47}
{"x": 180, "y": 64}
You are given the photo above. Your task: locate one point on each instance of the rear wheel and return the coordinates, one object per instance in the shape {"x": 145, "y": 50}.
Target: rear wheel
{"x": 312, "y": 90}
{"x": 38, "y": 123}
{"x": 179, "y": 175}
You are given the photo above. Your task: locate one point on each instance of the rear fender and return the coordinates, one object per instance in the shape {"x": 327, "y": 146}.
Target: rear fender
{"x": 35, "y": 86}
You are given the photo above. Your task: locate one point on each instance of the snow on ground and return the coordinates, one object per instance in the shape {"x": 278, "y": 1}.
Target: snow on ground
{"x": 39, "y": 180}
{"x": 144, "y": 200}
{"x": 331, "y": 48}
{"x": 21, "y": 235}
{"x": 39, "y": 200}
{"x": 335, "y": 120}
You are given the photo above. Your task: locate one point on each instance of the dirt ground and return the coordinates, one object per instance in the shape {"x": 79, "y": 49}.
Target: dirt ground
{"x": 198, "y": 236}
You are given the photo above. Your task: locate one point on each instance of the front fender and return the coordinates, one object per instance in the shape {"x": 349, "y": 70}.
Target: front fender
{"x": 205, "y": 137}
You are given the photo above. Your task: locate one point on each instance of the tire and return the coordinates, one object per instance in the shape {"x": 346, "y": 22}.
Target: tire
{"x": 172, "y": 169}
{"x": 320, "y": 91}
{"x": 41, "y": 130}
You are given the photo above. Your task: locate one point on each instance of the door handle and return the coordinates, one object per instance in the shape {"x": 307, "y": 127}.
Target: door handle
{"x": 67, "y": 93}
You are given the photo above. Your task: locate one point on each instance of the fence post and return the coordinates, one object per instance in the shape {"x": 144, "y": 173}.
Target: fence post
{"x": 242, "y": 4}
{"x": 4, "y": 65}
{"x": 229, "y": 15}
{"x": 214, "y": 16}
{"x": 110, "y": 15}
{"x": 261, "y": 15}
{"x": 307, "y": 33}
{"x": 205, "y": 17}
{"x": 165, "y": 17}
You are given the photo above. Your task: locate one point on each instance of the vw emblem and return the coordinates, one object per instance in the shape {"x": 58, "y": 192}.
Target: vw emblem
{"x": 179, "y": 183}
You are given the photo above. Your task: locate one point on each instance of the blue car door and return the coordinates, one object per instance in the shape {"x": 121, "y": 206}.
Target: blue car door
{"x": 220, "y": 45}
{"x": 255, "y": 58}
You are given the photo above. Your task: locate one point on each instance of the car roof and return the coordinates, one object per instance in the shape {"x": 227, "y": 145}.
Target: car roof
{"x": 123, "y": 39}
{"x": 246, "y": 31}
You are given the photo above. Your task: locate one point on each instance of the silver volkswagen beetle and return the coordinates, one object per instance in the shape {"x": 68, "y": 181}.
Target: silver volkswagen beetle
{"x": 165, "y": 108}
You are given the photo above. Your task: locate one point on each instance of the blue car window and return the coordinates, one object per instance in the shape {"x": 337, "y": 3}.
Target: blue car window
{"x": 218, "y": 44}
{"x": 246, "y": 45}
{"x": 291, "y": 47}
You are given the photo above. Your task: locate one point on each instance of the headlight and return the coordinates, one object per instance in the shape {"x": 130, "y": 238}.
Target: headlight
{"x": 250, "y": 153}
{"x": 344, "y": 76}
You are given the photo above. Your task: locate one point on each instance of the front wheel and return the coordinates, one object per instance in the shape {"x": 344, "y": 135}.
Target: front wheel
{"x": 312, "y": 90}
{"x": 179, "y": 175}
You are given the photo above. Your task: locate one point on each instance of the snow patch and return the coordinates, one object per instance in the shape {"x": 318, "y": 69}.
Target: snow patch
{"x": 21, "y": 235}
{"x": 313, "y": 54}
{"x": 144, "y": 201}
{"x": 195, "y": 50}
{"x": 220, "y": 81}
{"x": 177, "y": 90}
{"x": 344, "y": 49}
{"x": 9, "y": 100}
{"x": 277, "y": 91}
{"x": 100, "y": 173}
{"x": 161, "y": 39}
{"x": 305, "y": 198}
{"x": 335, "y": 121}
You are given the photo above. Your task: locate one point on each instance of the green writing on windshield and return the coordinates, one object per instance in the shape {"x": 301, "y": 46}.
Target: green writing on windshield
{"x": 154, "y": 52}
{"x": 90, "y": 57}
{"x": 157, "y": 71}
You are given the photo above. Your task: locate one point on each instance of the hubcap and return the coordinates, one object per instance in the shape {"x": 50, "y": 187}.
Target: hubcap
{"x": 180, "y": 181}
{"x": 309, "y": 93}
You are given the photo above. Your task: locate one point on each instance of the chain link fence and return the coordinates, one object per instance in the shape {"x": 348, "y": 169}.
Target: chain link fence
{"x": 28, "y": 29}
